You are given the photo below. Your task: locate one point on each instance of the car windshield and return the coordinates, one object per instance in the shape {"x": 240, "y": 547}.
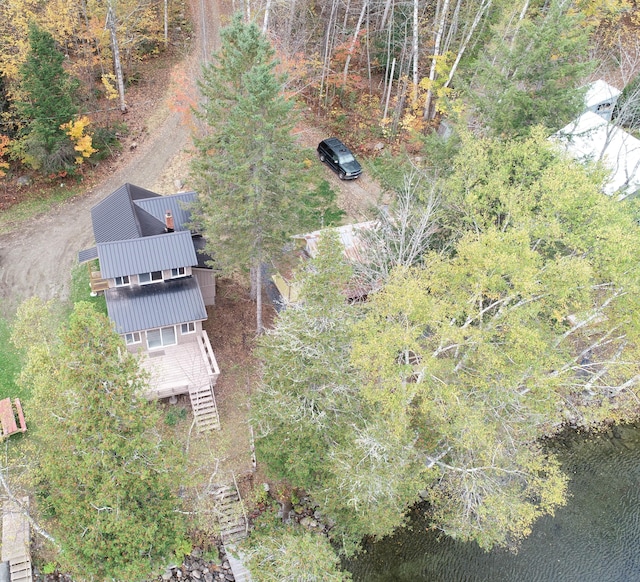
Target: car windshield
{"x": 345, "y": 157}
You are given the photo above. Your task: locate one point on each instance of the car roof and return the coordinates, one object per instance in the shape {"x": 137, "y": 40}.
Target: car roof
{"x": 334, "y": 142}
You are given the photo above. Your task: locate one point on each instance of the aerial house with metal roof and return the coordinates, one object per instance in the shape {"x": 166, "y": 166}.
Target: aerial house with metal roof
{"x": 157, "y": 286}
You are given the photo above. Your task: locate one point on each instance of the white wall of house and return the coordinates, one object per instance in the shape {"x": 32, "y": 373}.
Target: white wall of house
{"x": 165, "y": 337}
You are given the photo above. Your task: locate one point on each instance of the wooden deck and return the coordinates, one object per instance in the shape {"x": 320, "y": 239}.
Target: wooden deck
{"x": 97, "y": 283}
{"x": 16, "y": 541}
{"x": 178, "y": 369}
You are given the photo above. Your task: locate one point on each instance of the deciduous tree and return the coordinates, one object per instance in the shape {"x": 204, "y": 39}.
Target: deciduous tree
{"x": 447, "y": 380}
{"x": 314, "y": 429}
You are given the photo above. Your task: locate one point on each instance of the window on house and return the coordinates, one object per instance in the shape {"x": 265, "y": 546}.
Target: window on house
{"x": 145, "y": 278}
{"x": 179, "y": 272}
{"x": 158, "y": 338}
{"x": 122, "y": 281}
{"x": 188, "y": 328}
{"x": 132, "y": 338}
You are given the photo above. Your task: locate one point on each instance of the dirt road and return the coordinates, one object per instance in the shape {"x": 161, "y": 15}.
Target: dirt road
{"x": 36, "y": 258}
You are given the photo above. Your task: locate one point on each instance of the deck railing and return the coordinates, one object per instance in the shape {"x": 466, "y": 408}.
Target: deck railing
{"x": 209, "y": 357}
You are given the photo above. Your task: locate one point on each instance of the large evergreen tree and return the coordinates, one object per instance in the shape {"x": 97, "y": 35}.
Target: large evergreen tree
{"x": 47, "y": 103}
{"x": 105, "y": 476}
{"x": 531, "y": 70}
{"x": 254, "y": 184}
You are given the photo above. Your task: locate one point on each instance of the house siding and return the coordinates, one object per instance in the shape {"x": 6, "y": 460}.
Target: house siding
{"x": 207, "y": 282}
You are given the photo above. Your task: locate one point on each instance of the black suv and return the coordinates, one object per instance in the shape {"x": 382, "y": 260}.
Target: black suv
{"x": 340, "y": 159}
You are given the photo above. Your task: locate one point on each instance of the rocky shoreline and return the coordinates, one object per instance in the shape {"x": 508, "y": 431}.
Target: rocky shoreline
{"x": 196, "y": 568}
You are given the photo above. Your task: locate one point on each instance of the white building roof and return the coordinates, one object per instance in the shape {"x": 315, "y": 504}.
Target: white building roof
{"x": 592, "y": 138}
{"x": 599, "y": 92}
{"x": 348, "y": 235}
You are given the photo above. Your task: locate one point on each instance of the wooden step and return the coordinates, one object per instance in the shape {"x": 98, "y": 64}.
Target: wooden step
{"x": 205, "y": 411}
{"x": 15, "y": 541}
{"x": 235, "y": 557}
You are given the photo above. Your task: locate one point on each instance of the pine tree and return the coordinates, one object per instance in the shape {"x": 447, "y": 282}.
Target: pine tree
{"x": 104, "y": 474}
{"x": 47, "y": 103}
{"x": 254, "y": 184}
{"x": 531, "y": 71}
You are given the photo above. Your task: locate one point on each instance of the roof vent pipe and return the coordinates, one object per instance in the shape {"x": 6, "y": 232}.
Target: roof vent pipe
{"x": 168, "y": 221}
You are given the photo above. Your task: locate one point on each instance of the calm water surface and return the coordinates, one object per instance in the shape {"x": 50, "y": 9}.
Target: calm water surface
{"x": 594, "y": 538}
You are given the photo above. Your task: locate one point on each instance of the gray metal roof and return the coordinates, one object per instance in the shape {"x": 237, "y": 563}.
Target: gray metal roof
{"x": 116, "y": 217}
{"x": 146, "y": 254}
{"x": 155, "y": 305}
{"x": 178, "y": 204}
{"x": 87, "y": 255}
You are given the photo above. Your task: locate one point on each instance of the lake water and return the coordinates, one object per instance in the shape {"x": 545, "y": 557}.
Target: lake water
{"x": 594, "y": 538}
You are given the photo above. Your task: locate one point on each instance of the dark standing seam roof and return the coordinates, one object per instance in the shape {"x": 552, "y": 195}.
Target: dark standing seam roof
{"x": 155, "y": 305}
{"x": 115, "y": 218}
{"x": 146, "y": 254}
{"x": 200, "y": 244}
{"x": 87, "y": 255}
{"x": 178, "y": 204}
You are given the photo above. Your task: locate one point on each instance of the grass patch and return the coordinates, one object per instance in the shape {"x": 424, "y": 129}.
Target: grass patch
{"x": 10, "y": 364}
{"x": 41, "y": 202}
{"x": 80, "y": 290}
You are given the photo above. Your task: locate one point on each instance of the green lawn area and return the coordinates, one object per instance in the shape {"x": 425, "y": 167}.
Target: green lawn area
{"x": 80, "y": 290}
{"x": 11, "y": 359}
{"x": 10, "y": 364}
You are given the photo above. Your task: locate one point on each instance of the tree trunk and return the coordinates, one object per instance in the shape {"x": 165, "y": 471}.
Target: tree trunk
{"x": 385, "y": 15}
{"x": 484, "y": 7}
{"x": 117, "y": 65}
{"x": 259, "y": 325}
{"x": 328, "y": 47}
{"x": 414, "y": 54}
{"x": 265, "y": 24}
{"x": 386, "y": 103}
{"x": 166, "y": 23}
{"x": 352, "y": 46}
{"x": 428, "y": 105}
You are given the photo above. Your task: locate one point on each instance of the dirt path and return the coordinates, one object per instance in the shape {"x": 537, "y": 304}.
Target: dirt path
{"x": 36, "y": 258}
{"x": 356, "y": 197}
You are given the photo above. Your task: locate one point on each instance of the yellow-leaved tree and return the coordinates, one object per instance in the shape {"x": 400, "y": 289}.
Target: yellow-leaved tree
{"x": 4, "y": 142}
{"x": 77, "y": 132}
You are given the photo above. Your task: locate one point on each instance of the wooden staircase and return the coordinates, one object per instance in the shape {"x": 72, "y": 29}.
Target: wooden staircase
{"x": 205, "y": 411}
{"x": 16, "y": 539}
{"x": 230, "y": 512}
{"x": 233, "y": 527}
